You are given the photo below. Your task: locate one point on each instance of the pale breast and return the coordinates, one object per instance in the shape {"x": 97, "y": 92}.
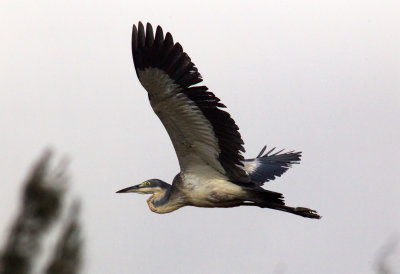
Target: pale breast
{"x": 210, "y": 192}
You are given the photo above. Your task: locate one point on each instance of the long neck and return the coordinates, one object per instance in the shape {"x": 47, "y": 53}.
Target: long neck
{"x": 161, "y": 197}
{"x": 163, "y": 201}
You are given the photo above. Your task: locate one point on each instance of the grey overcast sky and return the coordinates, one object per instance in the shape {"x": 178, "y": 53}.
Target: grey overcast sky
{"x": 321, "y": 77}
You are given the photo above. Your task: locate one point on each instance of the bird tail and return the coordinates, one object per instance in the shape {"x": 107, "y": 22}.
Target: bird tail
{"x": 269, "y": 199}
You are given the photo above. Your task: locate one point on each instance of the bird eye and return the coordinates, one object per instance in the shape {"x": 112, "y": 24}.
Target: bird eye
{"x": 147, "y": 183}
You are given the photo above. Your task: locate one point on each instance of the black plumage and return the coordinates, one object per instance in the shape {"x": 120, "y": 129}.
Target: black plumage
{"x": 272, "y": 164}
{"x": 164, "y": 54}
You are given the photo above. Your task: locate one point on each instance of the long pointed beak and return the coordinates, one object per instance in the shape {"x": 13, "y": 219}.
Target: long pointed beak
{"x": 128, "y": 189}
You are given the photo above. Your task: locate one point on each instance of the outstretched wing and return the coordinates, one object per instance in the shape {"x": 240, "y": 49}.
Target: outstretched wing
{"x": 201, "y": 132}
{"x": 270, "y": 165}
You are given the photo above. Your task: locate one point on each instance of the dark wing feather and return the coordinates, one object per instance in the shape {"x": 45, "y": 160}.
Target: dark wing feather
{"x": 180, "y": 95}
{"x": 270, "y": 165}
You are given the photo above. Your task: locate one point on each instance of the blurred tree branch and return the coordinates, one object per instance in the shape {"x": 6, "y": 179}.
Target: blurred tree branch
{"x": 42, "y": 203}
{"x": 382, "y": 263}
{"x": 68, "y": 252}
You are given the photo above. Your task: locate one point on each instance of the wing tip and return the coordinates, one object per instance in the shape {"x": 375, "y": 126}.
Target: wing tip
{"x": 163, "y": 53}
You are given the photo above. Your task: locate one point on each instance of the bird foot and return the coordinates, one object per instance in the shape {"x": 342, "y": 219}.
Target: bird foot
{"x": 306, "y": 212}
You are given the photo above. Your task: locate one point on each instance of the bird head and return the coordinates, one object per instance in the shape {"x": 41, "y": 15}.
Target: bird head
{"x": 151, "y": 186}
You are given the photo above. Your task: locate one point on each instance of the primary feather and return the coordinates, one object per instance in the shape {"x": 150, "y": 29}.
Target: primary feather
{"x": 201, "y": 132}
{"x": 268, "y": 166}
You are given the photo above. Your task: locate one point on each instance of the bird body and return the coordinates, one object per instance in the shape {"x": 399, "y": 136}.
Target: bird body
{"x": 197, "y": 191}
{"x": 211, "y": 192}
{"x": 205, "y": 137}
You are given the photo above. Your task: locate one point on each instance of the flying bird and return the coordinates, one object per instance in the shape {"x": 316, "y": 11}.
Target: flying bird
{"x": 207, "y": 142}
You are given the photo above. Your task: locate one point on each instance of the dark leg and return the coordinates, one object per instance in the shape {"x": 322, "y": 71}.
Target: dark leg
{"x": 301, "y": 211}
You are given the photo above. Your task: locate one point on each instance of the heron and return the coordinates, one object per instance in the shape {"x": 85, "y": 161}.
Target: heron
{"x": 213, "y": 172}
